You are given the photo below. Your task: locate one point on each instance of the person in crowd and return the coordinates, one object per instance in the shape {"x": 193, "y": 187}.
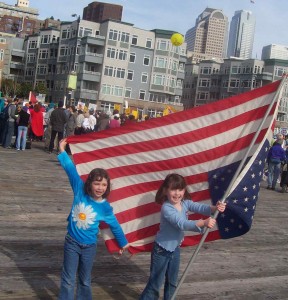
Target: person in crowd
{"x": 89, "y": 208}
{"x": 115, "y": 122}
{"x": 48, "y": 131}
{"x": 23, "y": 122}
{"x": 37, "y": 123}
{"x": 275, "y": 156}
{"x": 89, "y": 122}
{"x": 58, "y": 119}
{"x": 9, "y": 124}
{"x": 165, "y": 257}
{"x": 103, "y": 121}
{"x": 79, "y": 121}
{"x": 3, "y": 104}
{"x": 71, "y": 121}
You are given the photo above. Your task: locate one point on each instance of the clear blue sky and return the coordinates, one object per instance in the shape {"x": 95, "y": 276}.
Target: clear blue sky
{"x": 271, "y": 15}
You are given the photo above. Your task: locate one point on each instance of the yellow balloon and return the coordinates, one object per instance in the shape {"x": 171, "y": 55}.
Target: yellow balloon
{"x": 177, "y": 39}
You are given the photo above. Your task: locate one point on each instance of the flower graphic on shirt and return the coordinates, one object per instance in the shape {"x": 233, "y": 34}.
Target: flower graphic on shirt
{"x": 83, "y": 215}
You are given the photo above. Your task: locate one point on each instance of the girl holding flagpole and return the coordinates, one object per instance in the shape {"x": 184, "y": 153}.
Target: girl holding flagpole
{"x": 165, "y": 257}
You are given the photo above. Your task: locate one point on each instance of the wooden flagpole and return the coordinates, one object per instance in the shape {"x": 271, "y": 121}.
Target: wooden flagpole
{"x": 192, "y": 259}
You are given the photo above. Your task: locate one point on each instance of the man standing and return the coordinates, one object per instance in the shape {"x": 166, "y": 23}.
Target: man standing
{"x": 9, "y": 124}
{"x": 58, "y": 120}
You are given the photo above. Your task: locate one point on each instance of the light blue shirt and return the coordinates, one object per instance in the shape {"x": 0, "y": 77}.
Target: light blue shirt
{"x": 173, "y": 223}
{"x": 86, "y": 213}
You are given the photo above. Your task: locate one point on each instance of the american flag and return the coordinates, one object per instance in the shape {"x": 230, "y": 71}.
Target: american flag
{"x": 204, "y": 144}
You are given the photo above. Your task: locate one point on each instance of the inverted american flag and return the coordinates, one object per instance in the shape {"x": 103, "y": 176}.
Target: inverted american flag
{"x": 204, "y": 144}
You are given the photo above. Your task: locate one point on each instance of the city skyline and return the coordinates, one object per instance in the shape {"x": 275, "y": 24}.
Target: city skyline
{"x": 270, "y": 28}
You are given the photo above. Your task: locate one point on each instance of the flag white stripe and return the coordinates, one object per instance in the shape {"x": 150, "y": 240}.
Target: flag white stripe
{"x": 174, "y": 129}
{"x": 158, "y": 155}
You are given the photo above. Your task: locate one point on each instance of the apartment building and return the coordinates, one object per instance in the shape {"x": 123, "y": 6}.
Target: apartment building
{"x": 114, "y": 61}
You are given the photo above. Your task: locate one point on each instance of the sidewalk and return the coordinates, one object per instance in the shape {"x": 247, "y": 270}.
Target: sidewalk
{"x": 35, "y": 201}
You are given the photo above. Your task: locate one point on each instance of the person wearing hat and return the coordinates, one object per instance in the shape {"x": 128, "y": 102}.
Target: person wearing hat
{"x": 23, "y": 121}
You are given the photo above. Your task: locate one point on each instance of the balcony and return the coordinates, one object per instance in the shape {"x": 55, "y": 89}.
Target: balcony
{"x": 91, "y": 58}
{"x": 86, "y": 94}
{"x": 89, "y": 76}
{"x": 98, "y": 40}
{"x": 16, "y": 65}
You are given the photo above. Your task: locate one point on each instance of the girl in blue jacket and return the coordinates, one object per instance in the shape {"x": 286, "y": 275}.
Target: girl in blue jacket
{"x": 165, "y": 257}
{"x": 89, "y": 208}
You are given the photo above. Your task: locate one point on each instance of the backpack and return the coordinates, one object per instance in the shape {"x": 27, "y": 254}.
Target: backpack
{"x": 5, "y": 113}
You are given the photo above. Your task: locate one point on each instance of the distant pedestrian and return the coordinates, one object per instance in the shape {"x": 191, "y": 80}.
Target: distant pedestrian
{"x": 9, "y": 124}
{"x": 58, "y": 120}
{"x": 276, "y": 155}
{"x": 23, "y": 122}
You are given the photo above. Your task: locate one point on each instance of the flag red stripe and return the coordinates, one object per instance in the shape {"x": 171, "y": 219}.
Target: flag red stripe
{"x": 171, "y": 141}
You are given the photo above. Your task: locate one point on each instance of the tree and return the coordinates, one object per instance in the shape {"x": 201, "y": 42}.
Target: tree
{"x": 10, "y": 88}
{"x": 25, "y": 89}
{"x": 41, "y": 88}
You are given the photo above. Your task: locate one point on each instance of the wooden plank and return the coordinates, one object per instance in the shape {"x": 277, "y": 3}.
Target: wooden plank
{"x": 35, "y": 201}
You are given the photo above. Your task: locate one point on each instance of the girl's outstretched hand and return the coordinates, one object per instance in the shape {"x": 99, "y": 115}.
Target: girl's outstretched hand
{"x": 121, "y": 251}
{"x": 62, "y": 145}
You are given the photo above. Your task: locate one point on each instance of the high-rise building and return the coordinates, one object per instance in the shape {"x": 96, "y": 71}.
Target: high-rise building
{"x": 209, "y": 35}
{"x": 275, "y": 52}
{"x": 241, "y": 35}
{"x": 99, "y": 11}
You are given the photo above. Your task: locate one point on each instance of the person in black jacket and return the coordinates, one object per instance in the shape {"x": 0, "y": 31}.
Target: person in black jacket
{"x": 23, "y": 121}
{"x": 58, "y": 119}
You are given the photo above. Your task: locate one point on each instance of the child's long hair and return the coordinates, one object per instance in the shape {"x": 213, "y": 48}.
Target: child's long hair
{"x": 97, "y": 175}
{"x": 172, "y": 181}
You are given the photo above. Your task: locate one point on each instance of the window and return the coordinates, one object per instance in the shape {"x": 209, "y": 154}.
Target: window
{"x": 132, "y": 58}
{"x": 108, "y": 71}
{"x": 45, "y": 39}
{"x": 161, "y": 62}
{"x": 64, "y": 51}
{"x": 120, "y": 73}
{"x": 144, "y": 77}
{"x": 130, "y": 75}
{"x": 159, "y": 79}
{"x": 106, "y": 89}
{"x": 128, "y": 92}
{"x": 65, "y": 33}
{"x": 111, "y": 53}
{"x": 122, "y": 55}
{"x": 43, "y": 54}
{"x": 204, "y": 83}
{"x": 113, "y": 34}
{"x": 42, "y": 69}
{"x": 118, "y": 91}
{"x": 134, "y": 40}
{"x": 125, "y": 37}
{"x": 234, "y": 83}
{"x": 146, "y": 60}
{"x": 162, "y": 45}
{"x": 87, "y": 32}
{"x": 32, "y": 44}
{"x": 1, "y": 54}
{"x": 149, "y": 43}
{"x": 142, "y": 94}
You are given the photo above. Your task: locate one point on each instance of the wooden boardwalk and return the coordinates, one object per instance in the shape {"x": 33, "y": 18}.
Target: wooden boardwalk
{"x": 35, "y": 200}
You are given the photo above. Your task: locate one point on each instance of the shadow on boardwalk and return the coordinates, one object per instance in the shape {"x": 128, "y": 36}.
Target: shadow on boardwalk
{"x": 36, "y": 198}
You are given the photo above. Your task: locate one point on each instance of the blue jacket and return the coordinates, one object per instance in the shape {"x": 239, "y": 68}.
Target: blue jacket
{"x": 276, "y": 153}
{"x": 173, "y": 223}
{"x": 86, "y": 213}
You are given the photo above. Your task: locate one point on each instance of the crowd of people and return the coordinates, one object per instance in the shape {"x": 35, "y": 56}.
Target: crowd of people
{"x": 50, "y": 123}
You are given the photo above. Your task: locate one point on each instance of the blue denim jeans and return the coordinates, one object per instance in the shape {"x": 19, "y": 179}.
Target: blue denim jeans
{"x": 273, "y": 173}
{"x": 164, "y": 265}
{"x": 77, "y": 257}
{"x": 21, "y": 138}
{"x": 8, "y": 134}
